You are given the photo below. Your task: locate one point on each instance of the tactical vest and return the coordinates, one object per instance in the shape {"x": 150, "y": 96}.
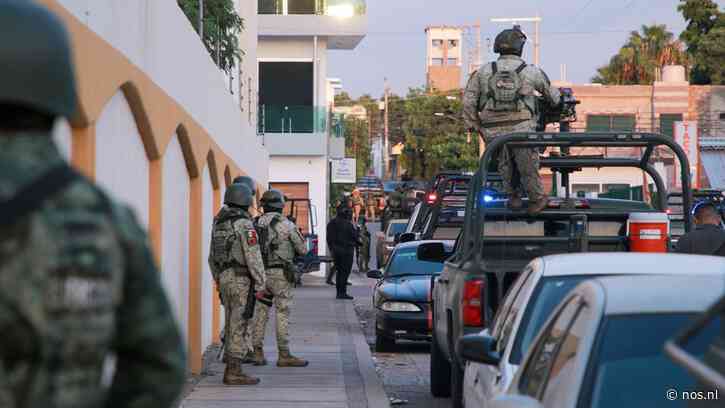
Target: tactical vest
{"x": 269, "y": 241}
{"x": 505, "y": 98}
{"x": 62, "y": 267}
{"x": 223, "y": 240}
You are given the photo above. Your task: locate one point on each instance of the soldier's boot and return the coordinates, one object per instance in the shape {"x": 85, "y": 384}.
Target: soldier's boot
{"x": 258, "y": 357}
{"x": 233, "y": 374}
{"x": 535, "y": 207}
{"x": 286, "y": 359}
{"x": 515, "y": 202}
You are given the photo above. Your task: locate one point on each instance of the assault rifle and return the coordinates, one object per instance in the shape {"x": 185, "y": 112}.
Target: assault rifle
{"x": 563, "y": 113}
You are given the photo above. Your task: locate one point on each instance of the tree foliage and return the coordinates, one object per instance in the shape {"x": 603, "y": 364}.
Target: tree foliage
{"x": 644, "y": 53}
{"x": 222, "y": 26}
{"x": 705, "y": 39}
{"x": 357, "y": 144}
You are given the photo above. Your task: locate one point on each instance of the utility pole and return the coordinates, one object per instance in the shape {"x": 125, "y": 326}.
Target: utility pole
{"x": 536, "y": 20}
{"x": 201, "y": 20}
{"x": 386, "y": 134}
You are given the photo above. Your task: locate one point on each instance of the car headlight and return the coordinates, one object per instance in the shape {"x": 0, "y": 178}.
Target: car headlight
{"x": 400, "y": 307}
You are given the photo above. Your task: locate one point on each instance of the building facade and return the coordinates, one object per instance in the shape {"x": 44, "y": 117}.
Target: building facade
{"x": 444, "y": 58}
{"x": 294, "y": 93}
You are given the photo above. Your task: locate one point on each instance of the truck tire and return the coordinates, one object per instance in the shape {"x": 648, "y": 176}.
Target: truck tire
{"x": 456, "y": 386}
{"x": 440, "y": 371}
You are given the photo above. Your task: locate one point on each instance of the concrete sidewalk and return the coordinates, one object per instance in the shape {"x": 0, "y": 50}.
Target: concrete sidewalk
{"x": 324, "y": 331}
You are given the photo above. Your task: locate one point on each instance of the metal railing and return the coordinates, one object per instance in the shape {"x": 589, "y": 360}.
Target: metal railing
{"x": 334, "y": 8}
{"x": 288, "y": 119}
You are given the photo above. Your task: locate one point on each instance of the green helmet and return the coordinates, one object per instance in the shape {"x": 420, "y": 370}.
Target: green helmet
{"x": 239, "y": 195}
{"x": 247, "y": 181}
{"x": 510, "y": 41}
{"x": 36, "y": 67}
{"x": 273, "y": 199}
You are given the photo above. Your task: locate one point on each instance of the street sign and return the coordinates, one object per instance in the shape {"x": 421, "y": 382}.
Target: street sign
{"x": 344, "y": 171}
{"x": 686, "y": 135}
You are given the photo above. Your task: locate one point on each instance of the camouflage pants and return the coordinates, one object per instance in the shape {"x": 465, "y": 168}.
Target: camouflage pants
{"x": 278, "y": 285}
{"x": 519, "y": 168}
{"x": 238, "y": 331}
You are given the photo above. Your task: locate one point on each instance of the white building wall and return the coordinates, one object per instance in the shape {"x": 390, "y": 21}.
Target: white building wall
{"x": 175, "y": 232}
{"x": 63, "y": 138}
{"x": 207, "y": 283}
{"x": 613, "y": 175}
{"x": 312, "y": 170}
{"x": 158, "y": 38}
{"x": 121, "y": 163}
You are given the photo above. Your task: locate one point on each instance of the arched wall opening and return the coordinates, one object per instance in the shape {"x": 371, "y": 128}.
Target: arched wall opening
{"x": 207, "y": 283}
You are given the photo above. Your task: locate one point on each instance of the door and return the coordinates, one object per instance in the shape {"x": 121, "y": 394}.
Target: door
{"x": 297, "y": 191}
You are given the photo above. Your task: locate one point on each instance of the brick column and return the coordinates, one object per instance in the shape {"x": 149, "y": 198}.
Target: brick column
{"x": 195, "y": 226}
{"x": 156, "y": 201}
{"x": 216, "y": 304}
{"x": 83, "y": 150}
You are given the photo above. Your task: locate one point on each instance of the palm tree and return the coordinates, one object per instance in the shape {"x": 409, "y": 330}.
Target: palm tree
{"x": 642, "y": 56}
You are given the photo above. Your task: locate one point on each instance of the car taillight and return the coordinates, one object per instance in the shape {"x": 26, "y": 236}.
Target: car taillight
{"x": 432, "y": 197}
{"x": 554, "y": 203}
{"x": 581, "y": 203}
{"x": 472, "y": 296}
{"x": 315, "y": 246}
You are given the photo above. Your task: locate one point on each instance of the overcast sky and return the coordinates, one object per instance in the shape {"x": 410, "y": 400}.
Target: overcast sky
{"x": 583, "y": 34}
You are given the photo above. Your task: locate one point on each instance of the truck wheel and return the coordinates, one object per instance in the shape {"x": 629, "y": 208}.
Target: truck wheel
{"x": 456, "y": 386}
{"x": 383, "y": 344}
{"x": 440, "y": 372}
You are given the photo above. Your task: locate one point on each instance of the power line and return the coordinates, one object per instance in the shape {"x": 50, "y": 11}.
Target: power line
{"x": 581, "y": 10}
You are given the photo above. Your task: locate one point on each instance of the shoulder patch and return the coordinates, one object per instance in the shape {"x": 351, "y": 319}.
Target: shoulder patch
{"x": 252, "y": 238}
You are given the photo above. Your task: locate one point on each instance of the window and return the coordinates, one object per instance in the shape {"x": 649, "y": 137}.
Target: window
{"x": 452, "y": 61}
{"x": 546, "y": 350}
{"x": 513, "y": 307}
{"x": 437, "y": 62}
{"x": 722, "y": 116}
{"x": 452, "y": 43}
{"x": 667, "y": 123}
{"x": 405, "y": 261}
{"x": 585, "y": 190}
{"x": 437, "y": 43}
{"x": 608, "y": 123}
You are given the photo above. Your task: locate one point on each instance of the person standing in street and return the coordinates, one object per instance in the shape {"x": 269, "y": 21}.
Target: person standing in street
{"x": 363, "y": 255}
{"x": 342, "y": 239}
{"x": 370, "y": 204}
{"x": 281, "y": 242}
{"x": 79, "y": 287}
{"x": 357, "y": 205}
{"x": 501, "y": 98}
{"x": 236, "y": 264}
{"x": 708, "y": 238}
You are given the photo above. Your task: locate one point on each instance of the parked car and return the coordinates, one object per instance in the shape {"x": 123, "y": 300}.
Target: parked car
{"x": 385, "y": 241}
{"x": 603, "y": 345}
{"x": 390, "y": 186}
{"x": 541, "y": 286}
{"x": 370, "y": 184}
{"x": 400, "y": 297}
{"x": 496, "y": 242}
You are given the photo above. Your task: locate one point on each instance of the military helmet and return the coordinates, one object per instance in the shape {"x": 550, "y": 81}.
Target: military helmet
{"x": 273, "y": 199}
{"x": 510, "y": 41}
{"x": 239, "y": 195}
{"x": 36, "y": 67}
{"x": 247, "y": 181}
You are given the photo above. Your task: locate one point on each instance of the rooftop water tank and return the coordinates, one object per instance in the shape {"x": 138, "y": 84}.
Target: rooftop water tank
{"x": 673, "y": 73}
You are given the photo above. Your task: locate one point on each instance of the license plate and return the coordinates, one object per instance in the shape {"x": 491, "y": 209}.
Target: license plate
{"x": 461, "y": 213}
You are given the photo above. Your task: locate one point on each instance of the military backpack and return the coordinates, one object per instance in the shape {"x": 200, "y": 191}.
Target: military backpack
{"x": 222, "y": 242}
{"x": 504, "y": 101}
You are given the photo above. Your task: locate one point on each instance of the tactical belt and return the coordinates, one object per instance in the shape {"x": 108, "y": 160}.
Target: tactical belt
{"x": 238, "y": 270}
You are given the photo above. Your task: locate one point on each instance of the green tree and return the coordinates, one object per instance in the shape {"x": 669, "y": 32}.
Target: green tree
{"x": 222, "y": 26}
{"x": 343, "y": 99}
{"x": 641, "y": 57}
{"x": 705, "y": 39}
{"x": 357, "y": 144}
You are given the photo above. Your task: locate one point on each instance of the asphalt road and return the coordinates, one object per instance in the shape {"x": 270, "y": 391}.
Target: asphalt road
{"x": 404, "y": 372}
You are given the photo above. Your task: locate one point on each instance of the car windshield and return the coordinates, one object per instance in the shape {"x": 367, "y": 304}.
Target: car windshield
{"x": 548, "y": 293}
{"x": 630, "y": 353}
{"x": 405, "y": 262}
{"x": 396, "y": 228}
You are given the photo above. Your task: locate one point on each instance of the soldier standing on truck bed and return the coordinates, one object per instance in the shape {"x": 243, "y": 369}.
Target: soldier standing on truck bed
{"x": 500, "y": 98}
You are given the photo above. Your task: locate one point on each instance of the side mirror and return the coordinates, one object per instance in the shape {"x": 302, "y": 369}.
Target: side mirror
{"x": 396, "y": 239}
{"x": 375, "y": 274}
{"x": 514, "y": 401}
{"x": 406, "y": 237}
{"x": 479, "y": 349}
{"x": 432, "y": 252}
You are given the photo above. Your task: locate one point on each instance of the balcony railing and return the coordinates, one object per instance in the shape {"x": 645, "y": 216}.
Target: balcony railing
{"x": 333, "y": 8}
{"x": 290, "y": 119}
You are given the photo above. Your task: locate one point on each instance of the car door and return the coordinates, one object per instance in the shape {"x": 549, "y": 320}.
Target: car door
{"x": 484, "y": 381}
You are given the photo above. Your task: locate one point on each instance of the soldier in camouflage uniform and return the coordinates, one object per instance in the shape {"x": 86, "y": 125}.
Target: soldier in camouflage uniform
{"x": 236, "y": 264}
{"x": 500, "y": 98}
{"x": 78, "y": 283}
{"x": 283, "y": 242}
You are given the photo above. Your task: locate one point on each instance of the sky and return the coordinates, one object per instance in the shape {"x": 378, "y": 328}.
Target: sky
{"x": 583, "y": 34}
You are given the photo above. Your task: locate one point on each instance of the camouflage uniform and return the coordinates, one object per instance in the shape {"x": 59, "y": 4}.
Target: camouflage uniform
{"x": 363, "y": 258}
{"x": 287, "y": 242}
{"x": 525, "y": 160}
{"x": 78, "y": 285}
{"x": 233, "y": 269}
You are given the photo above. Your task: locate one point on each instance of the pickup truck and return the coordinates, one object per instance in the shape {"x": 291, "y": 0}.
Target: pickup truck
{"x": 496, "y": 243}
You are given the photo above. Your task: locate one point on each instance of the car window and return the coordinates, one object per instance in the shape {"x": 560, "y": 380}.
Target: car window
{"x": 504, "y": 312}
{"x": 517, "y": 306}
{"x": 396, "y": 228}
{"x": 629, "y": 352}
{"x": 548, "y": 293}
{"x": 405, "y": 262}
{"x": 539, "y": 364}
